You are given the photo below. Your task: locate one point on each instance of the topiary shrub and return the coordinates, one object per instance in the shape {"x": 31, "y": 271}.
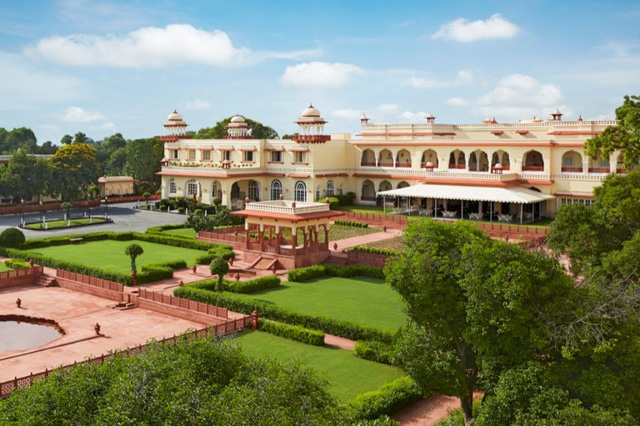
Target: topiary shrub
{"x": 388, "y": 399}
{"x": 16, "y": 264}
{"x": 12, "y": 237}
{"x": 181, "y": 210}
{"x": 219, "y": 267}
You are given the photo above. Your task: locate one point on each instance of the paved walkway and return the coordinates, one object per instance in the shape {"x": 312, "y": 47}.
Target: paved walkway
{"x": 339, "y": 342}
{"x": 429, "y": 411}
{"x": 365, "y": 239}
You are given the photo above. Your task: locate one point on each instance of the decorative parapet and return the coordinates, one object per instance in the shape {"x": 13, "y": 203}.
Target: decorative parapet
{"x": 287, "y": 207}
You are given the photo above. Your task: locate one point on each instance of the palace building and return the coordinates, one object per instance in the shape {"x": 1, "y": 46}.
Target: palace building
{"x": 491, "y": 171}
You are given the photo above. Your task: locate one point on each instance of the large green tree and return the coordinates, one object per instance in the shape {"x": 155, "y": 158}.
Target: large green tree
{"x": 625, "y": 136}
{"x": 476, "y": 307}
{"x": 19, "y": 138}
{"x": 219, "y": 131}
{"x": 25, "y": 176}
{"x": 74, "y": 168}
{"x": 143, "y": 159}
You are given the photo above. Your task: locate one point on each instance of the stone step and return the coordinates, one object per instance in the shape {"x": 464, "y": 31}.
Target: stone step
{"x": 46, "y": 281}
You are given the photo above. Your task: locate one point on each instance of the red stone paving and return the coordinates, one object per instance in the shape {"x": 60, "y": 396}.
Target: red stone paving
{"x": 339, "y": 342}
{"x": 77, "y": 313}
{"x": 429, "y": 411}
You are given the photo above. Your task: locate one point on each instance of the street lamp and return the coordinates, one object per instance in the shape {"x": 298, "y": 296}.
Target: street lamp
{"x": 106, "y": 207}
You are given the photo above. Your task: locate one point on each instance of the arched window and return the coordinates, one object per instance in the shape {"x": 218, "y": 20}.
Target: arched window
{"x": 533, "y": 162}
{"x": 330, "y": 189}
{"x": 300, "y": 191}
{"x": 192, "y": 187}
{"x": 368, "y": 191}
{"x": 253, "y": 191}
{"x": 276, "y": 189}
{"x": 172, "y": 186}
{"x": 318, "y": 193}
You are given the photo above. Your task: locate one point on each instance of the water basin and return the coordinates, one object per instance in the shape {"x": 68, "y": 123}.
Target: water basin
{"x": 20, "y": 333}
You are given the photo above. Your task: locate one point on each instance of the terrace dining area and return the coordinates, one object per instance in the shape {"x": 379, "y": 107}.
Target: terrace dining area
{"x": 450, "y": 202}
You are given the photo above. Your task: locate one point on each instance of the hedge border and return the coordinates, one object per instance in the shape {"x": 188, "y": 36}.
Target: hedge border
{"x": 387, "y": 399}
{"x": 318, "y": 271}
{"x": 292, "y": 332}
{"x": 372, "y": 350}
{"x": 242, "y": 287}
{"x": 374, "y": 250}
{"x": 351, "y": 223}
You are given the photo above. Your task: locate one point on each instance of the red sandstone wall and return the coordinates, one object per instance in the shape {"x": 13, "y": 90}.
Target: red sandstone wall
{"x": 355, "y": 257}
{"x": 92, "y": 290}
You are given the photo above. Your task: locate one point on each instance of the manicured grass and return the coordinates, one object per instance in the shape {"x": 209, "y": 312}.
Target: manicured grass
{"x": 340, "y": 232}
{"x": 4, "y": 267}
{"x": 348, "y": 376}
{"x": 109, "y": 254}
{"x": 364, "y": 209}
{"x": 182, "y": 232}
{"x": 360, "y": 300}
{"x": 394, "y": 244}
{"x": 53, "y": 224}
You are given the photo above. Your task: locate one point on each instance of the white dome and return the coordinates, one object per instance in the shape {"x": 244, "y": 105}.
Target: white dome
{"x": 237, "y": 119}
{"x": 175, "y": 119}
{"x": 311, "y": 112}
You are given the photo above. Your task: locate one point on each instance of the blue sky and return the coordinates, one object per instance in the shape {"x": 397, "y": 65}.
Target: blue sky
{"x": 106, "y": 66}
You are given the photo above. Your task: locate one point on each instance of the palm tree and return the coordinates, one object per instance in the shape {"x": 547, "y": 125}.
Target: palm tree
{"x": 133, "y": 251}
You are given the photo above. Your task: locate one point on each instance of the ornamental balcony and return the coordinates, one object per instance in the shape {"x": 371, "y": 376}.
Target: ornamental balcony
{"x": 287, "y": 207}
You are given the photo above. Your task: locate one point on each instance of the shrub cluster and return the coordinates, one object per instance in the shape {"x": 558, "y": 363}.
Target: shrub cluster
{"x": 204, "y": 294}
{"x": 388, "y": 399}
{"x": 351, "y": 223}
{"x": 160, "y": 229}
{"x": 292, "y": 332}
{"x": 224, "y": 251}
{"x": 373, "y": 350}
{"x": 16, "y": 264}
{"x": 317, "y": 271}
{"x": 375, "y": 250}
{"x": 11, "y": 237}
{"x": 336, "y": 201}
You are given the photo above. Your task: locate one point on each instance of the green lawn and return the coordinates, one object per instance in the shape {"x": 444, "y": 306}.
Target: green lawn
{"x": 360, "y": 300}
{"x": 394, "y": 244}
{"x": 109, "y": 254}
{"x": 347, "y": 375}
{"x": 4, "y": 267}
{"x": 182, "y": 232}
{"x": 53, "y": 224}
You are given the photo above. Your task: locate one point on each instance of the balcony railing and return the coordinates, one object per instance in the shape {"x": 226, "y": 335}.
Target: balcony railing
{"x": 533, "y": 168}
{"x": 406, "y": 165}
{"x": 599, "y": 170}
{"x": 385, "y": 164}
{"x": 572, "y": 169}
{"x": 458, "y": 166}
{"x": 368, "y": 164}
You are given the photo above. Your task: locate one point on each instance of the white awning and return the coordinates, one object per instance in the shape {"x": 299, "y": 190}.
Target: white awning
{"x": 515, "y": 194}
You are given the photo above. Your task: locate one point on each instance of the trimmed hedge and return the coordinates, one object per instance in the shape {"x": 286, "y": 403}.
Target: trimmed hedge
{"x": 292, "y": 332}
{"x": 388, "y": 399}
{"x": 201, "y": 293}
{"x": 243, "y": 287}
{"x": 351, "y": 223}
{"x": 317, "y": 271}
{"x": 373, "y": 351}
{"x": 374, "y": 250}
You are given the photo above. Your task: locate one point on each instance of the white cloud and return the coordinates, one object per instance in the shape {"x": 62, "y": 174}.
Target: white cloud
{"x": 78, "y": 115}
{"x": 319, "y": 74}
{"x": 463, "y": 77}
{"x": 413, "y": 117}
{"x": 519, "y": 96}
{"x": 456, "y": 101}
{"x": 144, "y": 47}
{"x": 388, "y": 108}
{"x": 347, "y": 114}
{"x": 462, "y": 30}
{"x": 197, "y": 104}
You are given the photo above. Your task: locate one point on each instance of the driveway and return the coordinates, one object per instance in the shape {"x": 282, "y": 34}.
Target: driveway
{"x": 125, "y": 218}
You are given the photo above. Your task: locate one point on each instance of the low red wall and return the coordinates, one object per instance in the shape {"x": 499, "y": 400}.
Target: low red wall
{"x": 20, "y": 277}
{"x": 30, "y": 208}
{"x": 356, "y": 257}
{"x": 129, "y": 199}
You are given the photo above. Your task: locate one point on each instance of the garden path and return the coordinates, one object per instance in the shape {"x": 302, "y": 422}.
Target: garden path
{"x": 365, "y": 239}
